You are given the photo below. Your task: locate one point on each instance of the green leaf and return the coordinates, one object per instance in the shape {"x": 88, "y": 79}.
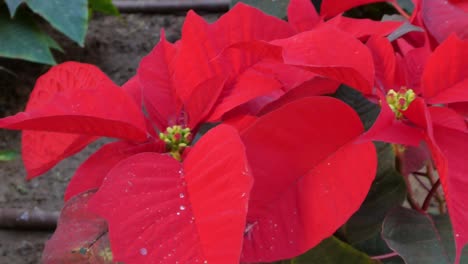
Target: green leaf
{"x": 333, "y": 251}
{"x": 22, "y": 39}
{"x": 104, "y": 6}
{"x": 387, "y": 191}
{"x": 376, "y": 246}
{"x": 8, "y": 155}
{"x": 277, "y": 8}
{"x": 420, "y": 238}
{"x": 69, "y": 17}
{"x": 366, "y": 110}
{"x": 13, "y": 5}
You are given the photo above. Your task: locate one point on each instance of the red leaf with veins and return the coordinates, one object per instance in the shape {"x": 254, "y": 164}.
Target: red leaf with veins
{"x": 384, "y": 61}
{"x": 161, "y": 210}
{"x": 445, "y": 76}
{"x": 453, "y": 145}
{"x": 202, "y": 43}
{"x": 321, "y": 51}
{"x": 41, "y": 151}
{"x": 301, "y": 155}
{"x": 446, "y": 117}
{"x": 69, "y": 99}
{"x": 155, "y": 75}
{"x": 92, "y": 172}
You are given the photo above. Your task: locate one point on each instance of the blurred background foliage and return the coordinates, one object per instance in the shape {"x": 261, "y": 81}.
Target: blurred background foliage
{"x": 23, "y": 37}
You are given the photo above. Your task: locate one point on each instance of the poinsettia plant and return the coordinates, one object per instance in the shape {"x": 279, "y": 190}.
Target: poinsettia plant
{"x": 254, "y": 139}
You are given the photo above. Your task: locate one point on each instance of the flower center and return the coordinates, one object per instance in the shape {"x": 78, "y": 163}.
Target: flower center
{"x": 176, "y": 138}
{"x": 400, "y": 101}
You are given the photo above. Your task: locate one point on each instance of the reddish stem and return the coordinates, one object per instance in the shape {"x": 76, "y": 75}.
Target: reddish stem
{"x": 417, "y": 173}
{"x": 401, "y": 11}
{"x": 399, "y": 166}
{"x": 431, "y": 193}
{"x": 385, "y": 256}
{"x": 421, "y": 183}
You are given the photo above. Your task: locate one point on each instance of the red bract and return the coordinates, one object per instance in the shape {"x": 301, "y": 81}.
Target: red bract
{"x": 311, "y": 50}
{"x": 444, "y": 80}
{"x": 443, "y": 17}
{"x": 161, "y": 210}
{"x": 303, "y": 17}
{"x": 301, "y": 155}
{"x": 68, "y": 99}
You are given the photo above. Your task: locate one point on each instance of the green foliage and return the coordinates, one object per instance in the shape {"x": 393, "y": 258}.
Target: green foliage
{"x": 103, "y": 6}
{"x": 333, "y": 251}
{"x": 420, "y": 238}
{"x": 22, "y": 38}
{"x": 275, "y": 8}
{"x": 8, "y": 155}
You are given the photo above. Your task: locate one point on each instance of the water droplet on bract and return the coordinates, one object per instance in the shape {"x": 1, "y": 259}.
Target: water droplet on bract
{"x": 206, "y": 261}
{"x": 143, "y": 251}
{"x": 181, "y": 195}
{"x": 178, "y": 213}
{"x": 182, "y": 207}
{"x": 243, "y": 195}
{"x": 457, "y": 235}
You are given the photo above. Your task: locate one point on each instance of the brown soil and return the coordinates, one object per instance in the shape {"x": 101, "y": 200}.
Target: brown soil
{"x": 116, "y": 45}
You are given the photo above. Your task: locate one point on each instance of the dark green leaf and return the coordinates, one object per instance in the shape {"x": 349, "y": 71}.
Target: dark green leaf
{"x": 333, "y": 251}
{"x": 420, "y": 238}
{"x": 387, "y": 191}
{"x": 366, "y": 110}
{"x": 104, "y": 6}
{"x": 7, "y": 155}
{"x": 277, "y": 8}
{"x": 22, "y": 39}
{"x": 69, "y": 17}
{"x": 376, "y": 246}
{"x": 13, "y": 5}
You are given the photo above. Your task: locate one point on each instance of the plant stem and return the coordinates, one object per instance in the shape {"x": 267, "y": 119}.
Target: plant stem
{"x": 431, "y": 193}
{"x": 171, "y": 6}
{"x": 401, "y": 10}
{"x": 385, "y": 256}
{"x": 417, "y": 173}
{"x": 409, "y": 189}
{"x": 421, "y": 183}
{"x": 438, "y": 195}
